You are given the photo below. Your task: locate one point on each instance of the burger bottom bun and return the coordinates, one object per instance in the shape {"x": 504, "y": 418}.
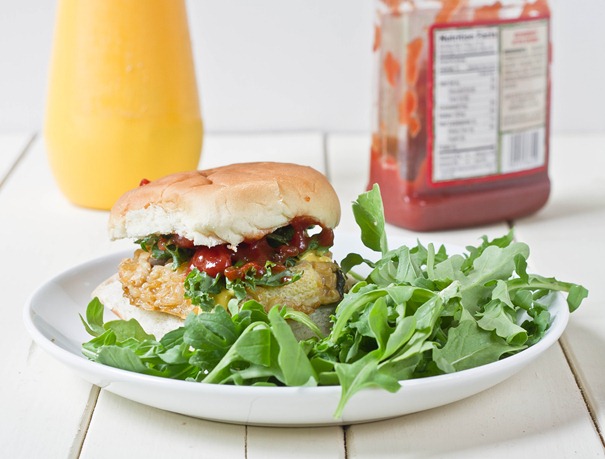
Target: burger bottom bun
{"x": 110, "y": 293}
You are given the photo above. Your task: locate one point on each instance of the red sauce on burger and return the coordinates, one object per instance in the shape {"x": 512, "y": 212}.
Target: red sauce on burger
{"x": 253, "y": 255}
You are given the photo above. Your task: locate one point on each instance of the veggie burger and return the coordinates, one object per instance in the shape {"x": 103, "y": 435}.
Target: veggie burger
{"x": 259, "y": 231}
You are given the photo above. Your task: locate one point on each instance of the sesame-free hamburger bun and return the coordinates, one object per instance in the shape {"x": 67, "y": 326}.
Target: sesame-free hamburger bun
{"x": 238, "y": 224}
{"x": 226, "y": 205}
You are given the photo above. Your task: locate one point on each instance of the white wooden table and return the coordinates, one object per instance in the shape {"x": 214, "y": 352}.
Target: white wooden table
{"x": 554, "y": 409}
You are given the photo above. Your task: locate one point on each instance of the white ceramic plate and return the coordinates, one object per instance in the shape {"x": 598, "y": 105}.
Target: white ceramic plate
{"x": 51, "y": 317}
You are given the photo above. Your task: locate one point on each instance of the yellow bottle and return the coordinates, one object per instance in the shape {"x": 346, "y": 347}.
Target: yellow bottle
{"x": 123, "y": 103}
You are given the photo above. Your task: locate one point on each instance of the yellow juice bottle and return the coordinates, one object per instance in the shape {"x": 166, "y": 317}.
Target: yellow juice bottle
{"x": 123, "y": 102}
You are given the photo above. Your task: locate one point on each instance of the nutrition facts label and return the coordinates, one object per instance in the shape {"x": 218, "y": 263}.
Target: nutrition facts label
{"x": 489, "y": 99}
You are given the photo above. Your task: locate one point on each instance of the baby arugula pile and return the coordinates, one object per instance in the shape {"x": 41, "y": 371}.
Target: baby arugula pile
{"x": 420, "y": 312}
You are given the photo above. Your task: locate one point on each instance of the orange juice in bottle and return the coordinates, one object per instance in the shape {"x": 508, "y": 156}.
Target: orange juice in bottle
{"x": 123, "y": 102}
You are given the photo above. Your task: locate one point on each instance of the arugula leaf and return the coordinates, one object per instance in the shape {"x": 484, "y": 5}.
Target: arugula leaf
{"x": 362, "y": 374}
{"x": 163, "y": 249}
{"x": 200, "y": 288}
{"x": 395, "y": 266}
{"x": 94, "y": 318}
{"x": 352, "y": 260}
{"x": 253, "y": 346}
{"x": 268, "y": 279}
{"x": 124, "y": 358}
{"x": 470, "y": 346}
{"x": 214, "y": 330}
{"x": 369, "y": 215}
{"x": 281, "y": 236}
{"x": 294, "y": 363}
{"x": 577, "y": 294}
{"x": 498, "y": 317}
{"x": 302, "y": 318}
{"x": 128, "y": 329}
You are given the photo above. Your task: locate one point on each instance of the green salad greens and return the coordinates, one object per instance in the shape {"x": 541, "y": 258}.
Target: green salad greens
{"x": 419, "y": 312}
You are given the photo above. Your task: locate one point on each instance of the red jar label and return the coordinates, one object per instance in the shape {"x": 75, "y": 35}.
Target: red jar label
{"x": 487, "y": 100}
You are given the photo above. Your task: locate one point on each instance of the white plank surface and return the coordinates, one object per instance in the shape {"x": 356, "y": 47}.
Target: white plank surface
{"x": 293, "y": 443}
{"x": 567, "y": 241}
{"x": 124, "y": 429}
{"x": 37, "y": 395}
{"x": 11, "y": 149}
{"x": 538, "y": 413}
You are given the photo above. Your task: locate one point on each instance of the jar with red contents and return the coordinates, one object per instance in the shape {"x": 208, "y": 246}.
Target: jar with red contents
{"x": 462, "y": 111}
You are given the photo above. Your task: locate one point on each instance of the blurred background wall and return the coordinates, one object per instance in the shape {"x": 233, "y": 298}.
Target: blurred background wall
{"x": 277, "y": 65}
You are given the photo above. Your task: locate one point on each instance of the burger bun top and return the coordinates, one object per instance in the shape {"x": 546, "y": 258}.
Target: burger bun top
{"x": 225, "y": 205}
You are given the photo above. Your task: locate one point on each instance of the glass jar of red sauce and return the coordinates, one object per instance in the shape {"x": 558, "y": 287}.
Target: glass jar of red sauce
{"x": 462, "y": 111}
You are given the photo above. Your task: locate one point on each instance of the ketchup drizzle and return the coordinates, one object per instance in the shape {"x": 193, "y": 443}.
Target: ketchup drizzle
{"x": 253, "y": 255}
